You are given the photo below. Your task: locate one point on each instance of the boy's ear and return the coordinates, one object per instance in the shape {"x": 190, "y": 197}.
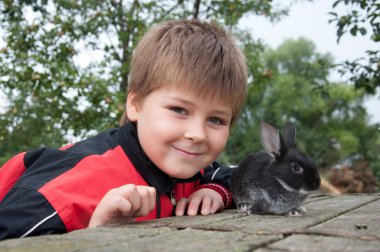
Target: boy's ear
{"x": 132, "y": 108}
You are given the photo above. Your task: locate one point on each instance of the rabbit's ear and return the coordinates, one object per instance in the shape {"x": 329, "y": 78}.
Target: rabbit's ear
{"x": 290, "y": 135}
{"x": 271, "y": 140}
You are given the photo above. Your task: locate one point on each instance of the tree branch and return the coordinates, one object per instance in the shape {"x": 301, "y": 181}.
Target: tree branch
{"x": 196, "y": 8}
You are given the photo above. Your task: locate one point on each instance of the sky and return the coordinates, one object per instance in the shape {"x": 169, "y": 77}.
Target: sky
{"x": 310, "y": 20}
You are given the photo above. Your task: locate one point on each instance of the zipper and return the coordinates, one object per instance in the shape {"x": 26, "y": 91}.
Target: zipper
{"x": 172, "y": 195}
{"x": 172, "y": 198}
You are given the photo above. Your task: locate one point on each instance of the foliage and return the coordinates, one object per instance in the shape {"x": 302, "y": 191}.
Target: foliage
{"x": 329, "y": 128}
{"x": 363, "y": 18}
{"x": 55, "y": 91}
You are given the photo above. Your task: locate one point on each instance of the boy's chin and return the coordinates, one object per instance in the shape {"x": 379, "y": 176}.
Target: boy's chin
{"x": 182, "y": 175}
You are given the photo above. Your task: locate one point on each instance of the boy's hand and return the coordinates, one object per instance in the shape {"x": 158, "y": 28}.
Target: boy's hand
{"x": 209, "y": 200}
{"x": 122, "y": 204}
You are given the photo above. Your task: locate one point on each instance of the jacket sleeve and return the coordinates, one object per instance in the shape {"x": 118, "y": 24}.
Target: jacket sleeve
{"x": 218, "y": 177}
{"x": 10, "y": 172}
{"x": 27, "y": 213}
{"x": 218, "y": 174}
{"x": 24, "y": 211}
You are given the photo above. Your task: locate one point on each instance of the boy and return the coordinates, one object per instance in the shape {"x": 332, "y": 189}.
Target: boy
{"x": 187, "y": 85}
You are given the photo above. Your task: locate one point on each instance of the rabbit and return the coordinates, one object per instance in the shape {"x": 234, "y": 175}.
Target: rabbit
{"x": 276, "y": 181}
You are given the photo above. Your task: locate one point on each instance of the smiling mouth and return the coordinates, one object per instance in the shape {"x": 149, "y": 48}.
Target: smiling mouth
{"x": 187, "y": 153}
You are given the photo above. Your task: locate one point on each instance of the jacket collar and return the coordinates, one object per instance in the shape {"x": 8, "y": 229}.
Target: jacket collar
{"x": 148, "y": 170}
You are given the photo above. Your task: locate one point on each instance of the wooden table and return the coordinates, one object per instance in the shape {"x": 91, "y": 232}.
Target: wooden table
{"x": 332, "y": 223}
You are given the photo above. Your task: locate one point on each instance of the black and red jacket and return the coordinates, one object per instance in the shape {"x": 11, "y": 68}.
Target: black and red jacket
{"x": 48, "y": 190}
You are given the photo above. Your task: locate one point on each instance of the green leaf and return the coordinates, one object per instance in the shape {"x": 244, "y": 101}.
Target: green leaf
{"x": 354, "y": 30}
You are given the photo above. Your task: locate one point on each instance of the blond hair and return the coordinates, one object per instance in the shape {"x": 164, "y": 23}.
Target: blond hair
{"x": 196, "y": 55}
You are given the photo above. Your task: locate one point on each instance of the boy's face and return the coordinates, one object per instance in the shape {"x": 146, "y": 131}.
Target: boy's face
{"x": 180, "y": 132}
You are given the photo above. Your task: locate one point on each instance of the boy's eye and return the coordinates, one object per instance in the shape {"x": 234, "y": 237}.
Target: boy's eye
{"x": 216, "y": 120}
{"x": 178, "y": 110}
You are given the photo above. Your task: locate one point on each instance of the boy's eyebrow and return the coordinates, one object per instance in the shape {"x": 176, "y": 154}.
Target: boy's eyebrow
{"x": 180, "y": 99}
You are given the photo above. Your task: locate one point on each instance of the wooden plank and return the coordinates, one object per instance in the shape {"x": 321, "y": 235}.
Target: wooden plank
{"x": 103, "y": 236}
{"x": 228, "y": 231}
{"x": 311, "y": 243}
{"x": 140, "y": 239}
{"x": 193, "y": 240}
{"x": 361, "y": 223}
{"x": 319, "y": 209}
{"x": 317, "y": 197}
{"x": 79, "y": 240}
{"x": 318, "y": 212}
{"x": 184, "y": 222}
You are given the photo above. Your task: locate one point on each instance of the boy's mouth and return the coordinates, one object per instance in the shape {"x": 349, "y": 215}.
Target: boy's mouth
{"x": 186, "y": 153}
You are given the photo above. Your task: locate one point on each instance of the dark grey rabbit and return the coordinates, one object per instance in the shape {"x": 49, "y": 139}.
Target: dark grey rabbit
{"x": 276, "y": 181}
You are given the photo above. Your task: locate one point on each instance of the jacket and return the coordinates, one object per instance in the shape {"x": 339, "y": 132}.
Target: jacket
{"x": 47, "y": 190}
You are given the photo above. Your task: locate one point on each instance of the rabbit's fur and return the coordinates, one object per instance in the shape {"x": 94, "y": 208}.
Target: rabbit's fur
{"x": 276, "y": 181}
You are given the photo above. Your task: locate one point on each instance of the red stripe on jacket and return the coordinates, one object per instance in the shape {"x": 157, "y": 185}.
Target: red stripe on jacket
{"x": 10, "y": 173}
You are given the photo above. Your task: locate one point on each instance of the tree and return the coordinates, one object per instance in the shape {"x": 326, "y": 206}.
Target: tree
{"x": 362, "y": 18}
{"x": 329, "y": 127}
{"x": 53, "y": 89}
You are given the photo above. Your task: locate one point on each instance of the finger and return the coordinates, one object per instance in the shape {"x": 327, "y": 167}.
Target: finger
{"x": 153, "y": 195}
{"x": 109, "y": 209}
{"x": 147, "y": 199}
{"x": 123, "y": 205}
{"x": 195, "y": 201}
{"x": 181, "y": 207}
{"x": 216, "y": 206}
{"x": 124, "y": 215}
{"x": 206, "y": 205}
{"x": 131, "y": 193}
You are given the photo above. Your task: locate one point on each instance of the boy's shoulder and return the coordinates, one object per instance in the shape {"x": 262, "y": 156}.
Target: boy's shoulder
{"x": 96, "y": 145}
{"x": 44, "y": 164}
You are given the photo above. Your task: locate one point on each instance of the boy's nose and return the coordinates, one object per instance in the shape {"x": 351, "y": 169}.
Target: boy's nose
{"x": 196, "y": 133}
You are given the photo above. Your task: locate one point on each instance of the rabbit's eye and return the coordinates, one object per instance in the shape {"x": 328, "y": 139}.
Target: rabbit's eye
{"x": 296, "y": 168}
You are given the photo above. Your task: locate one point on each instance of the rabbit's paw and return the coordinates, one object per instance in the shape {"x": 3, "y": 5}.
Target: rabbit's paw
{"x": 297, "y": 212}
{"x": 244, "y": 207}
{"x": 302, "y": 209}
